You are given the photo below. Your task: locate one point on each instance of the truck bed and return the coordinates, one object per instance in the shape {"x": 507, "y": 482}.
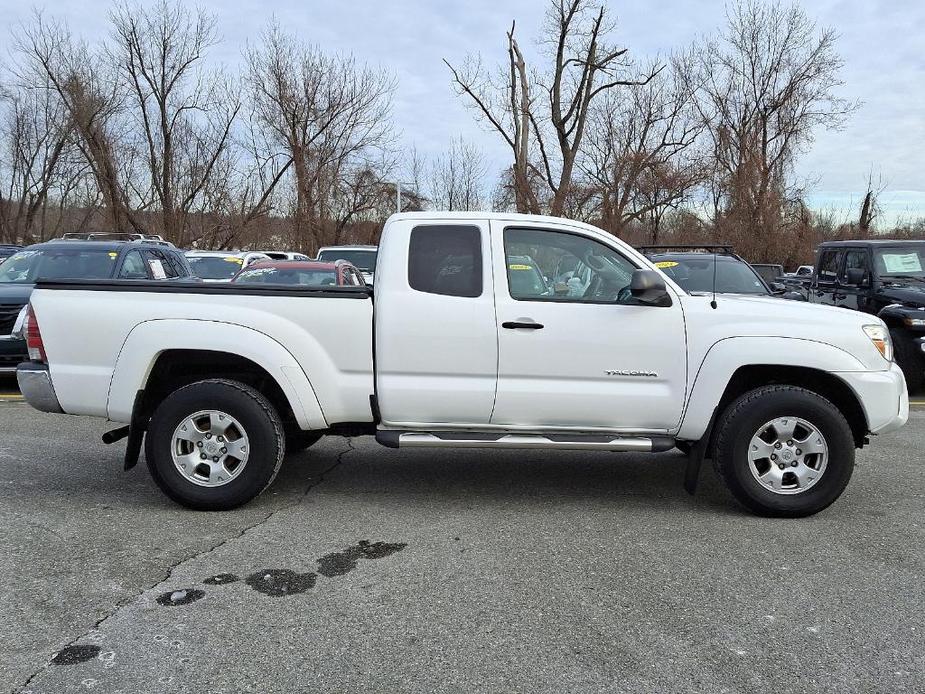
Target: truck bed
{"x": 99, "y": 334}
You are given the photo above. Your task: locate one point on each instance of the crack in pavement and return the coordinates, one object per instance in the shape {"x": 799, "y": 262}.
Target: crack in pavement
{"x": 197, "y": 555}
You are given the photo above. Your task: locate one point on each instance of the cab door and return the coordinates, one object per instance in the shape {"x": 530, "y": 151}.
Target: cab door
{"x": 827, "y": 268}
{"x": 574, "y": 350}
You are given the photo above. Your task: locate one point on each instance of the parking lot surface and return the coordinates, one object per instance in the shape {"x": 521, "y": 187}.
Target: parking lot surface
{"x": 369, "y": 569}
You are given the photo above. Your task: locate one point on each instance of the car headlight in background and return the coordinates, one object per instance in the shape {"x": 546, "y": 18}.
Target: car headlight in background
{"x": 914, "y": 322}
{"x": 880, "y": 336}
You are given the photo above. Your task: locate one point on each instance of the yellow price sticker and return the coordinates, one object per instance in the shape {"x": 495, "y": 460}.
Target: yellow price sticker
{"x": 113, "y": 255}
{"x": 520, "y": 267}
{"x": 666, "y": 263}
{"x": 234, "y": 260}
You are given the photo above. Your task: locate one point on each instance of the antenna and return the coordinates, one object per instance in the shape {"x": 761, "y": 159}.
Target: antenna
{"x": 715, "y": 261}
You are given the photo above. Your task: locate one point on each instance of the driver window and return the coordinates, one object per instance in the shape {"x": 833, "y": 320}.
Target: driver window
{"x": 855, "y": 259}
{"x": 558, "y": 266}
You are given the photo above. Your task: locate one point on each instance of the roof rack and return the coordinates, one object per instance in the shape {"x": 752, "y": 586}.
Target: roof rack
{"x": 719, "y": 248}
{"x": 130, "y": 237}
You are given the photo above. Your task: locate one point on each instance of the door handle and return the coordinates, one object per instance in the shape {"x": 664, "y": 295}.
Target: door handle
{"x": 513, "y": 325}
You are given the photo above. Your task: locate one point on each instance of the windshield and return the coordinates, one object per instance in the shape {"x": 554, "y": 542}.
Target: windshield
{"x": 272, "y": 275}
{"x": 29, "y": 266}
{"x": 906, "y": 261}
{"x": 212, "y": 267}
{"x": 365, "y": 261}
{"x": 695, "y": 274}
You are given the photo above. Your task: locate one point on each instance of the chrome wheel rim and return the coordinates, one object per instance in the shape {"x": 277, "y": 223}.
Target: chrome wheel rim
{"x": 788, "y": 455}
{"x": 210, "y": 448}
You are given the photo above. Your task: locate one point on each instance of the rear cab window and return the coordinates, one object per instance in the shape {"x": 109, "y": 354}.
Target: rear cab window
{"x": 446, "y": 259}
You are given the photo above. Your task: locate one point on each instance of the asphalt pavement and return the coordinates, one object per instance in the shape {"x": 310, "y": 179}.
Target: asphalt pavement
{"x": 370, "y": 569}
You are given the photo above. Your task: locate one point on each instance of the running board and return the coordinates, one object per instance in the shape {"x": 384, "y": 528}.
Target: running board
{"x": 570, "y": 442}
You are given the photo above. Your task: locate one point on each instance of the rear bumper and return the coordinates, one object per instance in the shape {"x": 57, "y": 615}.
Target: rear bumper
{"x": 883, "y": 396}
{"x": 36, "y": 387}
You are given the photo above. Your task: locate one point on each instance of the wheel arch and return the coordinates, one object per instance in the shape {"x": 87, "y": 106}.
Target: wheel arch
{"x": 160, "y": 356}
{"x": 737, "y": 365}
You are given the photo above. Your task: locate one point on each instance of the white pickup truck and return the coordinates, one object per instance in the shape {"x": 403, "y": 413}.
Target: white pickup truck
{"x": 485, "y": 331}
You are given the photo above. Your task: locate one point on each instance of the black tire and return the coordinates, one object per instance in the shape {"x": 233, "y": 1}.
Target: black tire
{"x": 909, "y": 359}
{"x": 256, "y": 415}
{"x": 298, "y": 440}
{"x": 744, "y": 417}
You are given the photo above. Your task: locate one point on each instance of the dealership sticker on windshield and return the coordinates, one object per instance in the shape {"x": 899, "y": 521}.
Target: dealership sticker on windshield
{"x": 665, "y": 263}
{"x": 234, "y": 260}
{"x": 520, "y": 267}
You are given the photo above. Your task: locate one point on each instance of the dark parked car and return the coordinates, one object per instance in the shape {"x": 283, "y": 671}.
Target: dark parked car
{"x": 884, "y": 278}
{"x": 306, "y": 273}
{"x": 692, "y": 267}
{"x": 72, "y": 259}
{"x": 6, "y": 251}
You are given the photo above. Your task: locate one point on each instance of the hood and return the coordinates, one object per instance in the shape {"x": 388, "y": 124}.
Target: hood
{"x": 15, "y": 293}
{"x": 911, "y": 294}
{"x": 768, "y": 316}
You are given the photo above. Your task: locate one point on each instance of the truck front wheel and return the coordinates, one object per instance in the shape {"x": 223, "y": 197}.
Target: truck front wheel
{"x": 784, "y": 451}
{"x": 214, "y": 445}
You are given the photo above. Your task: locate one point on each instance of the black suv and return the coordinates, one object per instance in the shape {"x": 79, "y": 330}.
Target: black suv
{"x": 67, "y": 259}
{"x": 883, "y": 278}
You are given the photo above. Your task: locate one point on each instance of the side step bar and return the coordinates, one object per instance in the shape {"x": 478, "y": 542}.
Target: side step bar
{"x": 571, "y": 442}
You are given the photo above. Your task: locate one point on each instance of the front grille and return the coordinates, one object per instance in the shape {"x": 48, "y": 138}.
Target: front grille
{"x": 8, "y": 313}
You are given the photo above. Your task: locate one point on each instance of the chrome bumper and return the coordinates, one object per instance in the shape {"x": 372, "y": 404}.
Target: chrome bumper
{"x": 36, "y": 387}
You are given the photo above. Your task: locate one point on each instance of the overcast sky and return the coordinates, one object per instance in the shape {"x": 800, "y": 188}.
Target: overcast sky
{"x": 882, "y": 42}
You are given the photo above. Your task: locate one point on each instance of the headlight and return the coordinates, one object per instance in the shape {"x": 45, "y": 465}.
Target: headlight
{"x": 914, "y": 322}
{"x": 880, "y": 336}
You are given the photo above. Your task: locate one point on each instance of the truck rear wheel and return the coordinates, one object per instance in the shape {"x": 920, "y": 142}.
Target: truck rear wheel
{"x": 910, "y": 360}
{"x": 784, "y": 451}
{"x": 214, "y": 445}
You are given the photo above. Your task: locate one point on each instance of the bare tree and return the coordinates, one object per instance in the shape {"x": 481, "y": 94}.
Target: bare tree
{"x": 643, "y": 153}
{"x": 183, "y": 114}
{"x": 330, "y": 115}
{"x": 769, "y": 81}
{"x": 88, "y": 90}
{"x": 456, "y": 178}
{"x": 543, "y": 115}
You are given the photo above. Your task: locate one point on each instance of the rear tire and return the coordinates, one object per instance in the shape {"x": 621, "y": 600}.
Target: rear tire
{"x": 909, "y": 359}
{"x": 182, "y": 443}
{"x": 796, "y": 483}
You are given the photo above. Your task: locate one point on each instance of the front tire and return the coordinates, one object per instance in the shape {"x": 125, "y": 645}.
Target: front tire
{"x": 909, "y": 359}
{"x": 784, "y": 451}
{"x": 214, "y": 445}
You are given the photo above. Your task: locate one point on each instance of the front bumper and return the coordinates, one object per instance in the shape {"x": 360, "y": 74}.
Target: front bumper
{"x": 12, "y": 352}
{"x": 36, "y": 387}
{"x": 883, "y": 396}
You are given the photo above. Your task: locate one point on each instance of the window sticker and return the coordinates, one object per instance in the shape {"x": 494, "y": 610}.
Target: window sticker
{"x": 112, "y": 255}
{"x": 157, "y": 269}
{"x": 239, "y": 261}
{"x": 665, "y": 263}
{"x": 902, "y": 262}
{"x": 520, "y": 267}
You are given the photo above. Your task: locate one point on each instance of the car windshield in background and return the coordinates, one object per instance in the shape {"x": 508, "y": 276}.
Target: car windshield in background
{"x": 894, "y": 261}
{"x": 365, "y": 261}
{"x": 272, "y": 275}
{"x": 695, "y": 274}
{"x": 215, "y": 267}
{"x": 29, "y": 266}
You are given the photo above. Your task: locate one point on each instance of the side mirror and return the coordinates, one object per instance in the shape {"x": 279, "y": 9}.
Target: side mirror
{"x": 648, "y": 287}
{"x": 855, "y": 276}
{"x": 777, "y": 287}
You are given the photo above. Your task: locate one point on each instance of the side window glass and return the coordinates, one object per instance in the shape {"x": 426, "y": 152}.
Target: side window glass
{"x": 558, "y": 266}
{"x": 446, "y": 259}
{"x": 856, "y": 258}
{"x": 161, "y": 267}
{"x": 133, "y": 267}
{"x": 828, "y": 266}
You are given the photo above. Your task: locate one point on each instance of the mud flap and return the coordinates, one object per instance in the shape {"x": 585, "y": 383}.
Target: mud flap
{"x": 136, "y": 433}
{"x": 696, "y": 456}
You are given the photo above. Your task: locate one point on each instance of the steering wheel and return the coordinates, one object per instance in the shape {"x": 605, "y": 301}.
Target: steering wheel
{"x": 625, "y": 295}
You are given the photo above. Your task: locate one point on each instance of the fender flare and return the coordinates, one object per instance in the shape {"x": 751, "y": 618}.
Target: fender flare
{"x": 149, "y": 339}
{"x": 727, "y": 356}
